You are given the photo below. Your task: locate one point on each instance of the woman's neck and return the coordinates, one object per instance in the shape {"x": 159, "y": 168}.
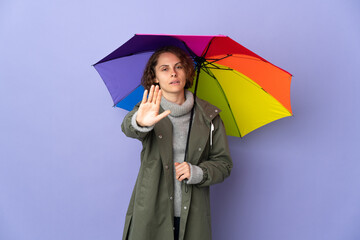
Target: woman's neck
{"x": 178, "y": 98}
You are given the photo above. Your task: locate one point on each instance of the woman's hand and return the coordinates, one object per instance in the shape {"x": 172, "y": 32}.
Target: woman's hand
{"x": 182, "y": 171}
{"x": 148, "y": 112}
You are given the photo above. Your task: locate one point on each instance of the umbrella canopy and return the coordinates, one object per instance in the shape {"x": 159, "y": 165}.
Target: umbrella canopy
{"x": 249, "y": 90}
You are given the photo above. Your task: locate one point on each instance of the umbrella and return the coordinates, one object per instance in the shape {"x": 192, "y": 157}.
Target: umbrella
{"x": 250, "y": 91}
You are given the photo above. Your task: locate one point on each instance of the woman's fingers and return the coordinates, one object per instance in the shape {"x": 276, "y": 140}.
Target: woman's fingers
{"x": 156, "y": 93}
{"x": 148, "y": 112}
{"x": 182, "y": 171}
{"x": 151, "y": 93}
{"x": 154, "y": 96}
{"x": 184, "y": 176}
{"x": 158, "y": 98}
{"x": 144, "y": 99}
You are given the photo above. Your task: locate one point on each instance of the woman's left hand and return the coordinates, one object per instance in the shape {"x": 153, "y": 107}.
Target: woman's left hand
{"x": 182, "y": 171}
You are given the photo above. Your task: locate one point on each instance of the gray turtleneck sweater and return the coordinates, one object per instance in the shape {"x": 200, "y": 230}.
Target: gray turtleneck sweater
{"x": 179, "y": 117}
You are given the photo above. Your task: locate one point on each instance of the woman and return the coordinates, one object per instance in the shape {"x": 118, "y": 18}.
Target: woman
{"x": 171, "y": 197}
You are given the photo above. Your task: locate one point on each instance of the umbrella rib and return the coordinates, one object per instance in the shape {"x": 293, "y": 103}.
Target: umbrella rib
{"x": 227, "y": 101}
{"x": 216, "y": 67}
{"x": 214, "y": 60}
{"x": 218, "y": 59}
{"x": 193, "y": 55}
{"x": 206, "y": 70}
{"x": 207, "y": 48}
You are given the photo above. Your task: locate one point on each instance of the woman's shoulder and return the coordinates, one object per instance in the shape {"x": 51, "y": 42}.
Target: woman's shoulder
{"x": 207, "y": 108}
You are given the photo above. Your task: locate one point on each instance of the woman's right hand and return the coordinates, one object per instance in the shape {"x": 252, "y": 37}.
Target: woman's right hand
{"x": 148, "y": 112}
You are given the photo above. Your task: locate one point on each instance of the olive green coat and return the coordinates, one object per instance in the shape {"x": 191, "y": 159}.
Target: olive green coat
{"x": 150, "y": 214}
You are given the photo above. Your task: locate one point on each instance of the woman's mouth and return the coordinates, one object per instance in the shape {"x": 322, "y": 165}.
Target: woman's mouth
{"x": 175, "y": 82}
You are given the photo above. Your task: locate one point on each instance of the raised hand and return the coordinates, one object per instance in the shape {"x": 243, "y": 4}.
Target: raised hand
{"x": 148, "y": 112}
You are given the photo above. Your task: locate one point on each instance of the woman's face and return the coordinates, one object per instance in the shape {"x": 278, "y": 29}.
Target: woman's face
{"x": 170, "y": 74}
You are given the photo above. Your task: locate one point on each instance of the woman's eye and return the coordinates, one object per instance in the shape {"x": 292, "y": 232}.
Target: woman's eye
{"x": 164, "y": 69}
{"x": 179, "y": 67}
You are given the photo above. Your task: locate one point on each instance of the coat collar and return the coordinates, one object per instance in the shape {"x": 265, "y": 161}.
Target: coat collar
{"x": 209, "y": 111}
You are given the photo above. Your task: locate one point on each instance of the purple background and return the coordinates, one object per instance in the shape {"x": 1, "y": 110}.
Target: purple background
{"x": 67, "y": 170}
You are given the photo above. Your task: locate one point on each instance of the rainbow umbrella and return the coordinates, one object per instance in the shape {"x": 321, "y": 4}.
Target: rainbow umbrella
{"x": 249, "y": 90}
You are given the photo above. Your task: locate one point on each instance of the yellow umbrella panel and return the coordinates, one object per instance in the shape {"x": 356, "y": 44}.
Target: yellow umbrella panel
{"x": 245, "y": 105}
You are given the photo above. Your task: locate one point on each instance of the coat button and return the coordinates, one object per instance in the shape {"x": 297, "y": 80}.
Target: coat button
{"x": 160, "y": 136}
{"x": 211, "y": 116}
{"x": 171, "y": 198}
{"x": 166, "y": 167}
{"x": 185, "y": 207}
{"x": 199, "y": 149}
{"x": 216, "y": 110}
{"x": 174, "y": 228}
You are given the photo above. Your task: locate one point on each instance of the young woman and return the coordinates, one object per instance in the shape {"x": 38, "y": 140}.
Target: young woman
{"x": 171, "y": 197}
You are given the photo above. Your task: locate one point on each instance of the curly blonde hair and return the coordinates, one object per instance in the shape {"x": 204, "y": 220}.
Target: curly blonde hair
{"x": 148, "y": 78}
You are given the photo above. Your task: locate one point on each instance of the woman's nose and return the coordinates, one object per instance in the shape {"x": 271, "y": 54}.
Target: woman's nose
{"x": 173, "y": 73}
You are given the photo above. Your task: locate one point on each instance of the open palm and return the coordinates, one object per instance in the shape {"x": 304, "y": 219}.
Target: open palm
{"x": 148, "y": 112}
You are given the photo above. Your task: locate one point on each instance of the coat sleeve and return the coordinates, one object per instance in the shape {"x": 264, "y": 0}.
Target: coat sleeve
{"x": 219, "y": 163}
{"x": 128, "y": 128}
